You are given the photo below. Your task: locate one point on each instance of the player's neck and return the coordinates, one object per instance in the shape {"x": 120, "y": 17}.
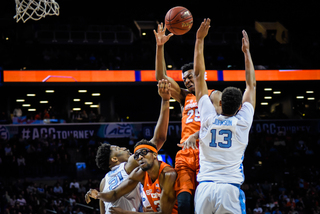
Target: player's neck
{"x": 154, "y": 171}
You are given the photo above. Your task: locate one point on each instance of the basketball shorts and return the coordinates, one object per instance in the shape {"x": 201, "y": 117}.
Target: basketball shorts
{"x": 187, "y": 168}
{"x": 219, "y": 198}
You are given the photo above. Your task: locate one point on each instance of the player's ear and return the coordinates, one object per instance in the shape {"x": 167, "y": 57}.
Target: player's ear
{"x": 155, "y": 155}
{"x": 114, "y": 159}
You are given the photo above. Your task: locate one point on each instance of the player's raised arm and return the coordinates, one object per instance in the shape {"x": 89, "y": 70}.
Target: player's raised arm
{"x": 199, "y": 65}
{"x": 161, "y": 71}
{"x": 160, "y": 133}
{"x": 250, "y": 92}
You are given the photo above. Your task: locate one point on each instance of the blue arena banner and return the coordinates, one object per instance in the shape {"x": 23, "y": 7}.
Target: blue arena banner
{"x": 140, "y": 129}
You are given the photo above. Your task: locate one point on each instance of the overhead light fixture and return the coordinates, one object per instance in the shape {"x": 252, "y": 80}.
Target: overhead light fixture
{"x": 76, "y": 109}
{"x": 171, "y": 107}
{"x": 88, "y": 103}
{"x": 268, "y": 98}
{"x": 311, "y": 98}
{"x": 26, "y": 105}
{"x": 19, "y": 100}
{"x": 169, "y": 66}
{"x": 172, "y": 100}
{"x": 32, "y": 109}
{"x": 44, "y": 101}
{"x": 277, "y": 92}
{"x": 268, "y": 89}
{"x": 309, "y": 92}
{"x": 76, "y": 100}
{"x": 144, "y": 34}
{"x": 300, "y": 97}
{"x": 95, "y": 94}
{"x": 82, "y": 91}
{"x": 49, "y": 91}
{"x": 264, "y": 103}
{"x": 94, "y": 106}
{"x": 31, "y": 95}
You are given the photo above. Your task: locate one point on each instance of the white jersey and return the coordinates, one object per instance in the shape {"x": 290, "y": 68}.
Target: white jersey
{"x": 130, "y": 201}
{"x": 222, "y": 144}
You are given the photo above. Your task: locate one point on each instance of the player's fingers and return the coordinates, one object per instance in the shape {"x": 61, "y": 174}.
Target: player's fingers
{"x": 180, "y": 145}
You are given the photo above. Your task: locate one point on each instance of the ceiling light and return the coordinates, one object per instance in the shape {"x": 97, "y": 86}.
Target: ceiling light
{"x": 82, "y": 91}
{"x": 311, "y": 98}
{"x": 76, "y": 100}
{"x": 268, "y": 89}
{"x": 76, "y": 109}
{"x": 88, "y": 103}
{"x": 49, "y": 91}
{"x": 94, "y": 106}
{"x": 309, "y": 92}
{"x": 32, "y": 109}
{"x": 26, "y": 105}
{"x": 277, "y": 92}
{"x": 172, "y": 100}
{"x": 31, "y": 95}
{"x": 44, "y": 101}
{"x": 95, "y": 94}
{"x": 300, "y": 97}
{"x": 268, "y": 98}
{"x": 264, "y": 103}
{"x": 19, "y": 100}
{"x": 169, "y": 66}
{"x": 171, "y": 107}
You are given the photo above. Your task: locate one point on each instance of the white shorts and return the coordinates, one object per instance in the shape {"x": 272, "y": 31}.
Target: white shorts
{"x": 219, "y": 198}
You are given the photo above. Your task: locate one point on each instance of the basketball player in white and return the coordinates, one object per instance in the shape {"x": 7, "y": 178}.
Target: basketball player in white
{"x": 223, "y": 138}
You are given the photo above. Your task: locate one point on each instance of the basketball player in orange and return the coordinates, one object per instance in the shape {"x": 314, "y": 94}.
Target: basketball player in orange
{"x": 157, "y": 177}
{"x": 187, "y": 160}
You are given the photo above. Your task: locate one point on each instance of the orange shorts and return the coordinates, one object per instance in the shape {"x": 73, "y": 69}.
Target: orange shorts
{"x": 187, "y": 168}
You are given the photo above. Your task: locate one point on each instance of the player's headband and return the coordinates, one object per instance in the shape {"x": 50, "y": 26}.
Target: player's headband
{"x": 145, "y": 146}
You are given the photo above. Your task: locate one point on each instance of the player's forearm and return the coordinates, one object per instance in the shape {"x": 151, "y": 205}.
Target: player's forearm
{"x": 160, "y": 134}
{"x": 250, "y": 73}
{"x": 107, "y": 196}
{"x": 199, "y": 67}
{"x": 160, "y": 63}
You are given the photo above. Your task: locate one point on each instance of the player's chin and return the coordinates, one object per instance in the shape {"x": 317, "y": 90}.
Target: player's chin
{"x": 192, "y": 89}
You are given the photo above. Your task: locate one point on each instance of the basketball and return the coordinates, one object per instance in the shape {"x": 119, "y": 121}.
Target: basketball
{"x": 178, "y": 20}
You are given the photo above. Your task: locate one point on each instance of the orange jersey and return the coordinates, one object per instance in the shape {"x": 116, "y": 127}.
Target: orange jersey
{"x": 190, "y": 122}
{"x": 153, "y": 190}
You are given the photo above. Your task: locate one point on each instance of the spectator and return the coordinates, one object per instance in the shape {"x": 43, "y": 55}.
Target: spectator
{"x": 58, "y": 190}
{"x": 257, "y": 210}
{"x": 21, "y": 201}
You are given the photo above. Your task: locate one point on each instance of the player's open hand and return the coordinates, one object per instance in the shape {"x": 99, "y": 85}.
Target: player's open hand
{"x": 203, "y": 29}
{"x": 116, "y": 210}
{"x": 92, "y": 193}
{"x": 245, "y": 42}
{"x": 164, "y": 89}
{"x": 191, "y": 142}
{"x": 160, "y": 35}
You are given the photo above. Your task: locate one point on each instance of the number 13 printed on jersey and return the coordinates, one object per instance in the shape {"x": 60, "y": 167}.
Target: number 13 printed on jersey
{"x": 227, "y": 143}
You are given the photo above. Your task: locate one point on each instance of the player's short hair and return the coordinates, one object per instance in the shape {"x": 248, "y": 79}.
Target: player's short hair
{"x": 187, "y": 67}
{"x": 231, "y": 99}
{"x": 145, "y": 142}
{"x": 103, "y": 156}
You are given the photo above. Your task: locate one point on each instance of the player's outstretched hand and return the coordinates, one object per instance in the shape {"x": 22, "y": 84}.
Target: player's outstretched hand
{"x": 203, "y": 29}
{"x": 245, "y": 42}
{"x": 191, "y": 142}
{"x": 164, "y": 89}
{"x": 117, "y": 210}
{"x": 161, "y": 37}
{"x": 92, "y": 193}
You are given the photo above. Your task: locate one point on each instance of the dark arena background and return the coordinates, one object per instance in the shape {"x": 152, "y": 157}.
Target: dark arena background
{"x": 85, "y": 77}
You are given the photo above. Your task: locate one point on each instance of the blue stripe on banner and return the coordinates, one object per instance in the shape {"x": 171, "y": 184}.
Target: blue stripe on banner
{"x": 220, "y": 75}
{"x": 137, "y": 74}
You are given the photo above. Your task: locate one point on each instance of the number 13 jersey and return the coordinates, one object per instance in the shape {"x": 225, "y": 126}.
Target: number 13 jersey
{"x": 223, "y": 141}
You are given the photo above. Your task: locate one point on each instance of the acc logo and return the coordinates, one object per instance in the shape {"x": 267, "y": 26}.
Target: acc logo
{"x": 4, "y": 133}
{"x": 118, "y": 130}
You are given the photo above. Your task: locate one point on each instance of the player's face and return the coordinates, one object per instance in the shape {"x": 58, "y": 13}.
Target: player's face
{"x": 122, "y": 153}
{"x": 188, "y": 80}
{"x": 145, "y": 158}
